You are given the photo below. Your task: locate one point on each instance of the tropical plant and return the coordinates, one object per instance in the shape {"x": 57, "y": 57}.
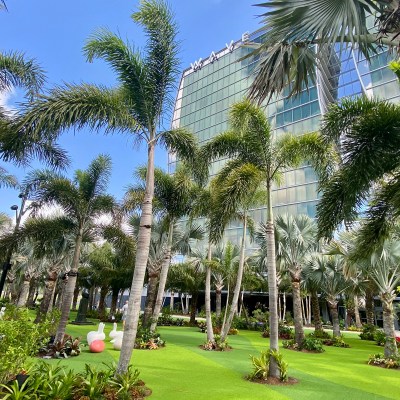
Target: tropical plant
{"x": 369, "y": 166}
{"x": 327, "y": 272}
{"x": 256, "y": 158}
{"x": 82, "y": 200}
{"x": 299, "y": 37}
{"x": 146, "y": 83}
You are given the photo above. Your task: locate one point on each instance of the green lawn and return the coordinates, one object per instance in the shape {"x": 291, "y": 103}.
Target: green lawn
{"x": 182, "y": 370}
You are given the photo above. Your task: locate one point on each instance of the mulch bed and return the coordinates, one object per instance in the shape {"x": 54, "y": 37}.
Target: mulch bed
{"x": 275, "y": 381}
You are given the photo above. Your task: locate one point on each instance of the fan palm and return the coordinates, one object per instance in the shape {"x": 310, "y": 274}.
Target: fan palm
{"x": 137, "y": 105}
{"x": 327, "y": 272}
{"x": 258, "y": 158}
{"x": 82, "y": 200}
{"x": 295, "y": 236}
{"x": 299, "y": 36}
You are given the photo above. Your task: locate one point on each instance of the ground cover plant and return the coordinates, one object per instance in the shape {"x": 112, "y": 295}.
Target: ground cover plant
{"x": 184, "y": 371}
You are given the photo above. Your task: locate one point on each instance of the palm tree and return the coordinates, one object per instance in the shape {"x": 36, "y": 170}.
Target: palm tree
{"x": 137, "y": 105}
{"x": 173, "y": 195}
{"x": 82, "y": 200}
{"x": 327, "y": 272}
{"x": 369, "y": 139}
{"x": 300, "y": 35}
{"x": 295, "y": 236}
{"x": 256, "y": 158}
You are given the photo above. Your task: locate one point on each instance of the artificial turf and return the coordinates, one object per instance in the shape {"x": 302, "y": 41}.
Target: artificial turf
{"x": 182, "y": 370}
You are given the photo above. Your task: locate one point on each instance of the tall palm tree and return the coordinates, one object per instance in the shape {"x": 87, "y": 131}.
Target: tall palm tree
{"x": 82, "y": 200}
{"x": 146, "y": 83}
{"x": 300, "y": 35}
{"x": 295, "y": 236}
{"x": 173, "y": 195}
{"x": 256, "y": 158}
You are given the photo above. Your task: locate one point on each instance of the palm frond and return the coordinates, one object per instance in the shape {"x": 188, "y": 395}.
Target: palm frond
{"x": 78, "y": 106}
{"x": 6, "y": 179}
{"x": 182, "y": 142}
{"x": 162, "y": 63}
{"x": 17, "y": 70}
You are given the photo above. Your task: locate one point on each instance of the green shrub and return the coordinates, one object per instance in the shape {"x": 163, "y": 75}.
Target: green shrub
{"x": 336, "y": 341}
{"x": 261, "y": 365}
{"x": 147, "y": 340}
{"x": 368, "y": 332}
{"x": 20, "y": 338}
{"x": 312, "y": 344}
{"x": 217, "y": 344}
{"x": 318, "y": 334}
{"x": 380, "y": 337}
{"x": 288, "y": 318}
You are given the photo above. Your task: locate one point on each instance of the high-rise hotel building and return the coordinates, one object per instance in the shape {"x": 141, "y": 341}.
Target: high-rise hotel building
{"x": 211, "y": 84}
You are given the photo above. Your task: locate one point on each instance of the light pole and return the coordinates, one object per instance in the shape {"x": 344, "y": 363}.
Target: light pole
{"x": 7, "y": 262}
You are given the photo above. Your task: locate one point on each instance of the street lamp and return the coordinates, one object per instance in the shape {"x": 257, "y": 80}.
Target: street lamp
{"x": 18, "y": 216}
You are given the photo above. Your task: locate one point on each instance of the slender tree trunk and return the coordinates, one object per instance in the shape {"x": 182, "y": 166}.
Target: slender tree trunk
{"x": 218, "y": 301}
{"x": 171, "y": 301}
{"x": 91, "y": 298}
{"x": 335, "y": 316}
{"x": 388, "y": 325}
{"x": 193, "y": 308}
{"x": 284, "y": 307}
{"x": 150, "y": 299}
{"x": 272, "y": 286}
{"x": 357, "y": 312}
{"x": 369, "y": 306}
{"x": 316, "y": 312}
{"x": 102, "y": 301}
{"x": 297, "y": 303}
{"x": 142, "y": 255}
{"x": 23, "y": 294}
{"x": 75, "y": 298}
{"x": 226, "y": 304}
{"x": 210, "y": 332}
{"x": 48, "y": 292}
{"x": 69, "y": 288}
{"x": 279, "y": 308}
{"x": 114, "y": 300}
{"x": 163, "y": 277}
{"x": 235, "y": 300}
{"x": 61, "y": 293}
{"x": 32, "y": 287}
{"x": 241, "y": 302}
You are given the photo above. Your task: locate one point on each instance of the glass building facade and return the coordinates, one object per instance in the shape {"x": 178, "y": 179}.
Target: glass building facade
{"x": 209, "y": 86}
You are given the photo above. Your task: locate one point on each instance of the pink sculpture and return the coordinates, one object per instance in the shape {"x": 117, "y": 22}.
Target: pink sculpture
{"x": 97, "y": 346}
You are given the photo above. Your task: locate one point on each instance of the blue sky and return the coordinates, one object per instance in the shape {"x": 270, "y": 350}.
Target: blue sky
{"x": 54, "y": 33}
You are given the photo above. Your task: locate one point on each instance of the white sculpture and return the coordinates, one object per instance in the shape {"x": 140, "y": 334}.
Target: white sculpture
{"x": 96, "y": 335}
{"x": 114, "y": 331}
{"x": 2, "y": 311}
{"x": 117, "y": 342}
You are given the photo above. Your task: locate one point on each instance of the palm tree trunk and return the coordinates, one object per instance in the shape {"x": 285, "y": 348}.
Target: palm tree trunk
{"x": 272, "y": 285}
{"x": 235, "y": 300}
{"x": 171, "y": 301}
{"x": 193, "y": 308}
{"x": 75, "y": 299}
{"x": 210, "y": 333}
{"x": 150, "y": 298}
{"x": 226, "y": 303}
{"x": 91, "y": 298}
{"x": 369, "y": 306}
{"x": 48, "y": 292}
{"x": 61, "y": 293}
{"x": 163, "y": 277}
{"x": 316, "y": 311}
{"x": 218, "y": 301}
{"x": 114, "y": 300}
{"x": 142, "y": 255}
{"x": 297, "y": 313}
{"x": 284, "y": 306}
{"x": 335, "y": 316}
{"x": 102, "y": 301}
{"x": 69, "y": 288}
{"x": 357, "y": 312}
{"x": 23, "y": 294}
{"x": 388, "y": 325}
{"x": 31, "y": 294}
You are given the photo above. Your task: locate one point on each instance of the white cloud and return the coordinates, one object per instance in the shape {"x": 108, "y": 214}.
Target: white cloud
{"x": 5, "y": 101}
